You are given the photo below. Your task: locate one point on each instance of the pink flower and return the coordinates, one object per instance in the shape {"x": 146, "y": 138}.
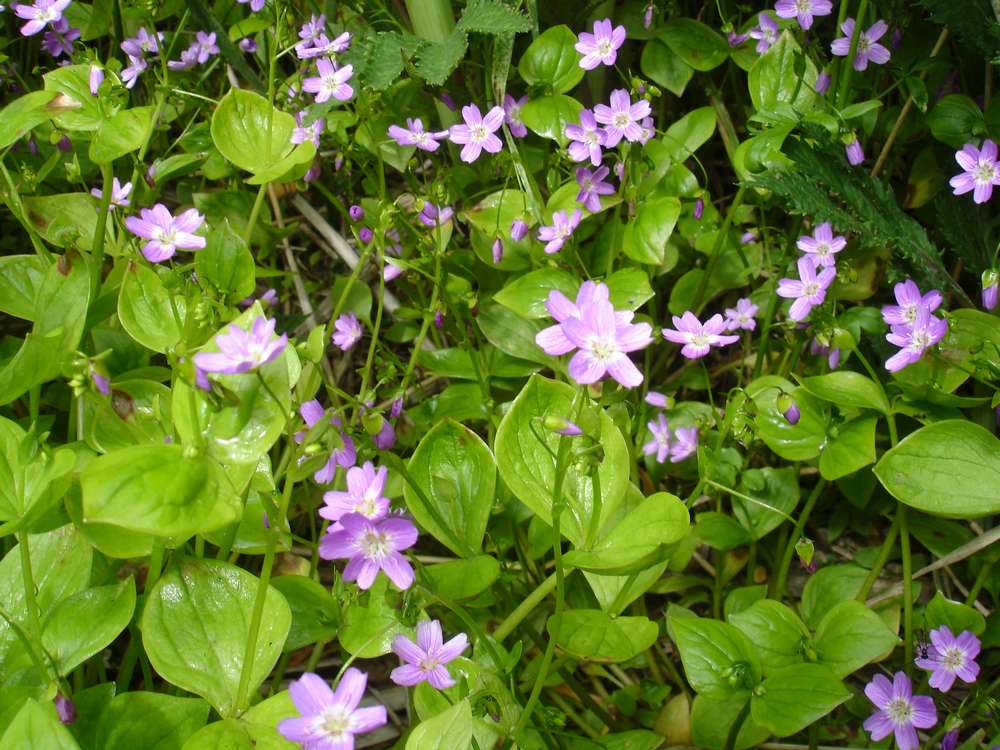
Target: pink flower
{"x": 622, "y": 117}
{"x": 868, "y": 47}
{"x": 425, "y": 660}
{"x": 371, "y": 546}
{"x": 803, "y": 10}
{"x": 592, "y": 187}
{"x": 823, "y": 245}
{"x": 742, "y": 316}
{"x": 698, "y": 338}
{"x": 981, "y": 171}
{"x": 329, "y": 719}
{"x": 808, "y": 290}
{"x": 310, "y": 132}
{"x": 331, "y": 81}
{"x": 364, "y": 495}
{"x": 588, "y": 139}
{"x": 765, "y": 32}
{"x": 659, "y": 446}
{"x": 898, "y": 711}
{"x": 119, "y": 193}
{"x": 242, "y": 351}
{"x": 909, "y": 301}
{"x": 40, "y": 14}
{"x": 603, "y": 339}
{"x": 130, "y": 74}
{"x": 854, "y": 152}
{"x": 348, "y": 331}
{"x": 512, "y": 115}
{"x": 991, "y": 284}
{"x": 562, "y": 227}
{"x": 685, "y": 444}
{"x": 552, "y": 340}
{"x": 95, "y": 78}
{"x": 913, "y": 340}
{"x": 948, "y": 657}
{"x": 165, "y": 233}
{"x": 415, "y": 135}
{"x": 601, "y": 47}
{"x": 477, "y": 134}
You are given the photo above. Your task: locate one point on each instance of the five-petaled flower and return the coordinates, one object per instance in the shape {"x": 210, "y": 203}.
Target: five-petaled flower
{"x": 603, "y": 339}
{"x": 332, "y": 82}
{"x": 555, "y": 235}
{"x": 765, "y": 32}
{"x": 425, "y": 659}
{"x": 898, "y": 711}
{"x": 588, "y": 139}
{"x": 868, "y": 50}
{"x": 364, "y": 494}
{"x": 742, "y": 316}
{"x": 329, "y": 719}
{"x": 981, "y": 171}
{"x": 909, "y": 300}
{"x": 592, "y": 187}
{"x": 478, "y": 134}
{"x": 601, "y": 47}
{"x": 415, "y": 135}
{"x": 39, "y": 14}
{"x": 659, "y": 446}
{"x": 808, "y": 290}
{"x": 914, "y": 339}
{"x": 822, "y": 245}
{"x": 165, "y": 232}
{"x": 803, "y": 10}
{"x": 241, "y": 350}
{"x": 698, "y": 338}
{"x": 621, "y": 119}
{"x": 949, "y": 656}
{"x": 370, "y": 546}
{"x": 347, "y": 331}
{"x": 119, "y": 193}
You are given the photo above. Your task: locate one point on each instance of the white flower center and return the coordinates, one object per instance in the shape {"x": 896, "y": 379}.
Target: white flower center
{"x": 591, "y": 138}
{"x": 900, "y": 711}
{"x": 420, "y": 138}
{"x": 953, "y": 658}
{"x": 909, "y": 313}
{"x": 603, "y": 349}
{"x": 479, "y": 133}
{"x": 604, "y": 48}
{"x": 47, "y": 14}
{"x": 621, "y": 120}
{"x": 863, "y": 44}
{"x": 985, "y": 172}
{"x": 165, "y": 236}
{"x": 920, "y": 340}
{"x": 823, "y": 250}
{"x": 428, "y": 664}
{"x": 564, "y": 231}
{"x": 803, "y": 6}
{"x": 374, "y": 545}
{"x": 811, "y": 289}
{"x": 330, "y": 83}
{"x": 700, "y": 339}
{"x": 336, "y": 722}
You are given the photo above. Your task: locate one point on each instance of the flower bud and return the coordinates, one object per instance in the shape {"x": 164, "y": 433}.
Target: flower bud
{"x": 65, "y": 144}
{"x": 699, "y": 209}
{"x": 497, "y": 250}
{"x": 65, "y": 709}
{"x": 96, "y": 78}
{"x": 647, "y": 16}
{"x": 518, "y": 230}
{"x": 788, "y": 408}
{"x": 562, "y": 426}
{"x": 386, "y": 437}
{"x": 991, "y": 283}
{"x": 248, "y": 45}
{"x": 855, "y": 154}
{"x": 365, "y": 235}
{"x": 356, "y": 212}
{"x": 438, "y": 319}
{"x": 657, "y": 399}
{"x": 822, "y": 83}
{"x": 805, "y": 549}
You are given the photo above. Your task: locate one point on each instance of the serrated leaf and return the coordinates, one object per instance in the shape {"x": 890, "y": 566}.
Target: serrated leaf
{"x": 492, "y": 17}
{"x": 436, "y": 61}
{"x": 386, "y": 56}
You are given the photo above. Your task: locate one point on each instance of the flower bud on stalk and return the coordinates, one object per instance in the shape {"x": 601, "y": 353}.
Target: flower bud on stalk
{"x": 789, "y": 409}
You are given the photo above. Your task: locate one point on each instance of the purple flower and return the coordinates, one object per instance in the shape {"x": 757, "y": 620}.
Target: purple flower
{"x": 914, "y": 339}
{"x": 344, "y": 456}
{"x": 143, "y": 42}
{"x": 855, "y": 154}
{"x": 552, "y": 339}
{"x": 512, "y": 115}
{"x": 991, "y": 283}
{"x": 822, "y": 245}
{"x": 248, "y": 45}
{"x": 735, "y": 40}
{"x": 497, "y": 250}
{"x": 909, "y": 301}
{"x": 898, "y": 711}
{"x": 765, "y": 32}
{"x": 822, "y": 83}
{"x": 592, "y": 187}
{"x": 808, "y": 290}
{"x": 869, "y": 50}
{"x": 948, "y": 657}
{"x": 621, "y": 118}
{"x": 647, "y": 15}
{"x": 788, "y": 408}
{"x": 699, "y": 209}
{"x": 356, "y": 212}
{"x": 364, "y": 495}
{"x": 39, "y": 14}
{"x": 981, "y": 171}
{"x": 742, "y": 316}
{"x": 818, "y": 348}
{"x": 119, "y": 193}
{"x": 130, "y": 74}
{"x": 65, "y": 709}
{"x": 433, "y": 216}
{"x": 562, "y": 227}
{"x": 748, "y": 237}
{"x": 255, "y": 5}
{"x": 189, "y": 58}
{"x": 58, "y": 40}
{"x": 331, "y": 81}
{"x": 698, "y": 338}
{"x": 425, "y": 660}
{"x": 685, "y": 444}
{"x": 659, "y": 446}
{"x": 655, "y": 398}
{"x": 371, "y": 546}
{"x": 242, "y": 351}
{"x": 329, "y": 719}
{"x": 446, "y": 99}
{"x": 603, "y": 339}
{"x": 386, "y": 437}
{"x": 587, "y": 137}
{"x": 348, "y": 331}
{"x": 648, "y": 130}
{"x": 477, "y": 134}
{"x": 323, "y": 46}
{"x": 99, "y": 377}
{"x": 569, "y": 429}
{"x": 415, "y": 135}
{"x": 601, "y": 47}
{"x": 310, "y": 132}
{"x": 165, "y": 233}
{"x": 518, "y": 229}
{"x": 197, "y": 53}
{"x": 95, "y": 79}
{"x": 311, "y": 30}
{"x": 365, "y": 235}
{"x": 803, "y": 10}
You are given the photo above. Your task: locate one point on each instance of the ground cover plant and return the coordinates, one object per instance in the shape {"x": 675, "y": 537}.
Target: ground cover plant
{"x": 439, "y": 374}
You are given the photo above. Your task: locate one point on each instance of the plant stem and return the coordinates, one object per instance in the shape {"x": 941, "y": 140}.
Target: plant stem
{"x": 254, "y": 213}
{"x": 734, "y": 730}
{"x": 786, "y": 558}
{"x": 848, "y": 63}
{"x": 525, "y": 608}
{"x": 28, "y": 580}
{"x": 699, "y": 296}
{"x": 883, "y": 556}
{"x": 101, "y": 229}
{"x": 904, "y": 547}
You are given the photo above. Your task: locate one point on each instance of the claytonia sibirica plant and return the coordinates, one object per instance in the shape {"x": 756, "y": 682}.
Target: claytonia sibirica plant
{"x": 479, "y": 375}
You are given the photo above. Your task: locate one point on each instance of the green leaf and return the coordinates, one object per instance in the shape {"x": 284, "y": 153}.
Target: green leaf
{"x": 369, "y": 630}
{"x": 78, "y": 109}
{"x": 436, "y": 60}
{"x": 778, "y": 488}
{"x": 956, "y": 120}
{"x": 794, "y": 697}
{"x": 159, "y": 490}
{"x": 695, "y": 43}
{"x": 852, "y": 448}
{"x": 719, "y": 661}
{"x": 688, "y": 134}
{"x": 461, "y": 579}
{"x": 526, "y": 293}
{"x": 646, "y": 234}
{"x": 147, "y": 311}
{"x": 663, "y": 67}
{"x": 552, "y": 61}
{"x": 80, "y": 626}
{"x": 450, "y": 730}
{"x": 629, "y": 288}
{"x": 525, "y": 453}
{"x": 24, "y": 113}
{"x": 492, "y": 17}
{"x": 456, "y": 475}
{"x": 949, "y": 468}
{"x": 775, "y": 631}
{"x": 152, "y": 721}
{"x": 226, "y": 262}
{"x": 720, "y": 531}
{"x": 386, "y": 55}
{"x": 315, "y": 613}
{"x": 596, "y": 636}
{"x": 20, "y": 278}
{"x": 848, "y": 389}
{"x": 795, "y": 442}
{"x": 782, "y": 81}
{"x": 957, "y": 616}
{"x": 849, "y": 636}
{"x": 510, "y": 333}
{"x": 548, "y": 116}
{"x": 121, "y": 134}
{"x": 826, "y": 588}
{"x": 37, "y": 727}
{"x": 712, "y": 719}
{"x": 255, "y": 136}
{"x": 196, "y": 623}
{"x": 637, "y": 541}
{"x": 60, "y": 314}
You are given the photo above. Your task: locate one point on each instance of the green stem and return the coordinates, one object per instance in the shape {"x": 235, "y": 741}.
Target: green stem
{"x": 254, "y": 213}
{"x": 699, "y": 296}
{"x": 734, "y": 730}
{"x": 28, "y": 580}
{"x": 883, "y": 556}
{"x": 904, "y": 547}
{"x": 418, "y": 345}
{"x": 101, "y": 228}
{"x": 525, "y": 608}
{"x": 978, "y": 584}
{"x": 848, "y": 63}
{"x": 786, "y": 558}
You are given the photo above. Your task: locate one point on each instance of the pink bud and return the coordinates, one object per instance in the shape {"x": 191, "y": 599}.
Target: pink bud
{"x": 438, "y": 319}
{"x": 699, "y": 208}
{"x": 518, "y": 230}
{"x": 497, "y": 250}
{"x": 96, "y": 78}
{"x": 356, "y": 212}
{"x": 855, "y": 154}
{"x": 822, "y": 83}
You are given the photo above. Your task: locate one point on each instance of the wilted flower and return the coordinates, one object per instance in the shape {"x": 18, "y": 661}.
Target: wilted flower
{"x": 981, "y": 171}
{"x": 348, "y": 331}
{"x": 868, "y": 47}
{"x": 165, "y": 233}
{"x": 808, "y": 290}
{"x": 587, "y": 139}
{"x": 39, "y": 14}
{"x": 621, "y": 119}
{"x": 425, "y": 660}
{"x": 742, "y": 316}
{"x": 765, "y": 32}
{"x": 119, "y": 193}
{"x": 803, "y": 10}
{"x": 898, "y": 711}
{"x": 512, "y": 115}
{"x": 559, "y": 231}
{"x": 478, "y": 132}
{"x": 592, "y": 187}
{"x": 242, "y": 351}
{"x": 371, "y": 546}
{"x": 364, "y": 494}
{"x": 415, "y": 135}
{"x": 601, "y": 47}
{"x": 698, "y": 338}
{"x": 330, "y": 719}
{"x": 949, "y": 657}
{"x": 331, "y": 81}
